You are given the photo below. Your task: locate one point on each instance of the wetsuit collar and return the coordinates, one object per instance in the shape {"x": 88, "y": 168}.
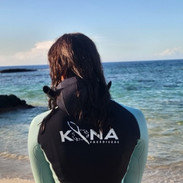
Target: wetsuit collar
{"x": 70, "y": 99}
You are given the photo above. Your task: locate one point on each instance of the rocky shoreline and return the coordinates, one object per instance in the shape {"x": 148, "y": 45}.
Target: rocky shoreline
{"x": 12, "y": 102}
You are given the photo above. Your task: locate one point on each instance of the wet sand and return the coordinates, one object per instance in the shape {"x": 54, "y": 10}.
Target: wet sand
{"x": 15, "y": 181}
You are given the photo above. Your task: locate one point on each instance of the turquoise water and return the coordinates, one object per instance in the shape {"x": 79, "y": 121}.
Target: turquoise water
{"x": 155, "y": 87}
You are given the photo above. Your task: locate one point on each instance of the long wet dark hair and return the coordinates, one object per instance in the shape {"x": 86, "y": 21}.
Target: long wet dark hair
{"x": 76, "y": 55}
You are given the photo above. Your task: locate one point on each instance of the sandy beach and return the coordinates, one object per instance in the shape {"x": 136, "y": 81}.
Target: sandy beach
{"x": 15, "y": 181}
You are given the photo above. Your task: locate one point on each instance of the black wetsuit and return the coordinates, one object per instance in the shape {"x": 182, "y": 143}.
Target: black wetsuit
{"x": 77, "y": 152}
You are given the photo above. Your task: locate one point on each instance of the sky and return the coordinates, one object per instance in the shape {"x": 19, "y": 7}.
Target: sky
{"x": 123, "y": 30}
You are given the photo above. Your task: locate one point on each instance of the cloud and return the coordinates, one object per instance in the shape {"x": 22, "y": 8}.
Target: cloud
{"x": 36, "y": 55}
{"x": 38, "y": 52}
{"x": 172, "y": 53}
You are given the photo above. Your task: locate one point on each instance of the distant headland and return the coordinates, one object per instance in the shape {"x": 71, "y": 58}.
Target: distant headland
{"x": 16, "y": 70}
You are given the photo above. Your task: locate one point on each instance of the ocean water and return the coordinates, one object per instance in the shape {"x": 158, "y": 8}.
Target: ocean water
{"x": 154, "y": 87}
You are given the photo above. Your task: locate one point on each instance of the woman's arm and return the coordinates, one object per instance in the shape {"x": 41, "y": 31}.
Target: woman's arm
{"x": 40, "y": 167}
{"x": 137, "y": 164}
{"x": 138, "y": 159}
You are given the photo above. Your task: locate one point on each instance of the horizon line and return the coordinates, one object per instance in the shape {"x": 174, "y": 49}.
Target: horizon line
{"x": 103, "y": 62}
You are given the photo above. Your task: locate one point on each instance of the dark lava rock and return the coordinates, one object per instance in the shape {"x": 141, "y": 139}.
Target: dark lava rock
{"x": 12, "y": 102}
{"x": 16, "y": 70}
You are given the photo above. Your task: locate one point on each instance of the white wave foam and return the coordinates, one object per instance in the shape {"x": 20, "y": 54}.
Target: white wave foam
{"x": 8, "y": 155}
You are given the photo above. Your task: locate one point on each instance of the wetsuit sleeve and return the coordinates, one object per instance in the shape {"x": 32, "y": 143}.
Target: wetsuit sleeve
{"x": 40, "y": 167}
{"x": 138, "y": 159}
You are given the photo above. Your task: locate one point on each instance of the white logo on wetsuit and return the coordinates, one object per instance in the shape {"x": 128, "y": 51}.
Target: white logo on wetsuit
{"x": 77, "y": 134}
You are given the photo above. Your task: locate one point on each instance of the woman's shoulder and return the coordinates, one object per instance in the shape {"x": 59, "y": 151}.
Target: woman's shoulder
{"x": 39, "y": 118}
{"x": 134, "y": 111}
{"x": 139, "y": 116}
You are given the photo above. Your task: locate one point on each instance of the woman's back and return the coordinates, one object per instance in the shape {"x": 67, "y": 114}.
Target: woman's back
{"x": 78, "y": 153}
